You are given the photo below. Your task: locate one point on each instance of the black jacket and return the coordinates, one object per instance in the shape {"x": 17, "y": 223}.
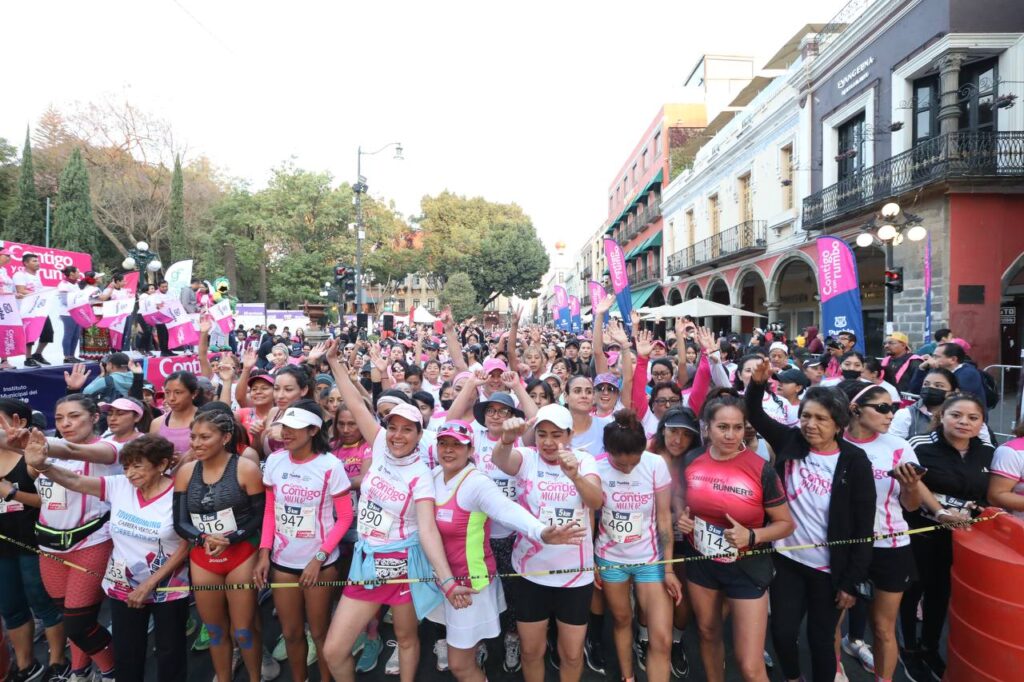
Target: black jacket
{"x": 965, "y": 477}
{"x": 851, "y": 512}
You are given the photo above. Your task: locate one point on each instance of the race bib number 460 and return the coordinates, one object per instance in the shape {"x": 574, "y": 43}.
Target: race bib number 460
{"x": 374, "y": 521}
{"x": 220, "y": 523}
{"x": 622, "y": 527}
{"x": 709, "y": 540}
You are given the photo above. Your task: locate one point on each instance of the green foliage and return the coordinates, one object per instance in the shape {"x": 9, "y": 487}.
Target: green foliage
{"x": 8, "y": 180}
{"x": 27, "y": 221}
{"x": 73, "y": 227}
{"x": 297, "y": 277}
{"x": 460, "y": 295}
{"x": 233, "y": 223}
{"x": 495, "y": 243}
{"x": 176, "y": 217}
{"x": 680, "y": 159}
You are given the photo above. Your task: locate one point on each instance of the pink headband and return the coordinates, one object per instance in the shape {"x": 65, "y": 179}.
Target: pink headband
{"x": 863, "y": 391}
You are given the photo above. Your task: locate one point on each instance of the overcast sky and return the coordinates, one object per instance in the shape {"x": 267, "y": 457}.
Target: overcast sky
{"x": 536, "y": 103}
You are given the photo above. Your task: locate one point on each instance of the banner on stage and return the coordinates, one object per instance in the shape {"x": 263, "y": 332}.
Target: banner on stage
{"x": 34, "y": 313}
{"x": 12, "y": 331}
{"x": 839, "y": 289}
{"x": 51, "y": 261}
{"x": 157, "y": 370}
{"x": 40, "y": 387}
{"x": 150, "y": 313}
{"x": 178, "y": 276}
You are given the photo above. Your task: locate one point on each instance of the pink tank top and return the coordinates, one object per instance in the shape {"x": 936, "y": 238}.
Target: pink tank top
{"x": 179, "y": 436}
{"x": 466, "y": 536}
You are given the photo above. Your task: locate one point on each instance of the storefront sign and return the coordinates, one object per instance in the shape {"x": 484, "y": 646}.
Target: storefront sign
{"x": 1008, "y": 315}
{"x": 855, "y": 77}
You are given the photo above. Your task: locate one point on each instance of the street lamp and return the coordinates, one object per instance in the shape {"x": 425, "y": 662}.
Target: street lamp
{"x": 361, "y": 188}
{"x": 141, "y": 258}
{"x": 887, "y": 229}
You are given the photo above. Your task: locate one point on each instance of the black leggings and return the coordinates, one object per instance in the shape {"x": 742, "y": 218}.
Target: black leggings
{"x": 502, "y": 551}
{"x": 131, "y": 640}
{"x": 933, "y": 553}
{"x": 799, "y": 590}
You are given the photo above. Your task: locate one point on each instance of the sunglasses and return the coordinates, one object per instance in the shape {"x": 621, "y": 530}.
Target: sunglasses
{"x": 606, "y": 388}
{"x": 882, "y": 408}
{"x": 452, "y": 427}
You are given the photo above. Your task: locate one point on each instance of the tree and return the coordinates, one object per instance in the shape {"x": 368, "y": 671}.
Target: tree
{"x": 297, "y": 277}
{"x": 74, "y": 228}
{"x": 511, "y": 261}
{"x": 26, "y": 223}
{"x": 459, "y": 295}
{"x": 176, "y": 218}
{"x": 8, "y": 180}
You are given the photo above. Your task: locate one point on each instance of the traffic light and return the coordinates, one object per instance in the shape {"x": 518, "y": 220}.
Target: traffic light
{"x": 894, "y": 279}
{"x": 349, "y": 285}
{"x": 340, "y": 271}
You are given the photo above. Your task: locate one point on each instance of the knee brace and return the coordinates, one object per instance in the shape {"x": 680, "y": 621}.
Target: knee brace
{"x": 243, "y": 638}
{"x": 82, "y": 628}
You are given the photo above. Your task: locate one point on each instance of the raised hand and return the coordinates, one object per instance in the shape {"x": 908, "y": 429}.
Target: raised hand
{"x": 604, "y": 305}
{"x": 35, "y": 450}
{"x": 737, "y": 535}
{"x": 762, "y": 372}
{"x": 617, "y": 333}
{"x": 684, "y": 524}
{"x": 205, "y": 325}
{"x": 514, "y": 428}
{"x": 77, "y": 378}
{"x": 509, "y": 379}
{"x": 568, "y": 462}
{"x": 644, "y": 342}
{"x": 634, "y": 320}
{"x": 317, "y": 352}
{"x": 705, "y": 339}
{"x": 135, "y": 366}
{"x": 249, "y": 358}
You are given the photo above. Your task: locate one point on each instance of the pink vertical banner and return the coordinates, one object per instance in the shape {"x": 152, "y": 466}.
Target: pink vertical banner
{"x": 597, "y": 294}
{"x": 562, "y": 320}
{"x": 12, "y": 332}
{"x": 620, "y": 280}
{"x": 839, "y": 289}
{"x": 83, "y": 315}
{"x": 928, "y": 289}
{"x": 575, "y": 317}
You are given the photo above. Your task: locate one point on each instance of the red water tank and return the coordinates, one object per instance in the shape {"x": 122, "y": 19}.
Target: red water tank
{"x": 986, "y": 610}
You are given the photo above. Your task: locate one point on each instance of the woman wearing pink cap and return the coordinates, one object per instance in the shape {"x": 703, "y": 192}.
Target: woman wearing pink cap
{"x": 397, "y": 537}
{"x": 466, "y": 502}
{"x": 254, "y": 394}
{"x": 127, "y": 419}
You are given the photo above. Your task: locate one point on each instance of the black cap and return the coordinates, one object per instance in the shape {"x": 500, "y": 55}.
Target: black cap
{"x": 680, "y": 418}
{"x": 793, "y": 376}
{"x": 499, "y": 398}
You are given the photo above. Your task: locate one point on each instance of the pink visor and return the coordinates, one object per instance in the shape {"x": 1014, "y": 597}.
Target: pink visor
{"x": 122, "y": 404}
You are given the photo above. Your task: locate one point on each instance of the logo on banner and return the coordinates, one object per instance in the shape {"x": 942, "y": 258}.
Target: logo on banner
{"x": 840, "y": 321}
{"x": 51, "y": 261}
{"x": 158, "y": 369}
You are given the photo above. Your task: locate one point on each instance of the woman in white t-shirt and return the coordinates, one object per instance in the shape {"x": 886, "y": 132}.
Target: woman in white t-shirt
{"x": 634, "y": 534}
{"x": 898, "y": 486}
{"x": 559, "y": 485}
{"x": 397, "y": 536}
{"x": 307, "y": 512}
{"x": 587, "y": 427}
{"x": 67, "y": 296}
{"x": 147, "y": 553}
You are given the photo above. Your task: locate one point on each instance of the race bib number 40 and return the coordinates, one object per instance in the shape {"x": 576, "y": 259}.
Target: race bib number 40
{"x": 295, "y": 522}
{"x": 374, "y": 521}
{"x": 54, "y": 496}
{"x": 709, "y": 540}
{"x": 561, "y": 516}
{"x": 220, "y": 523}
{"x": 622, "y": 527}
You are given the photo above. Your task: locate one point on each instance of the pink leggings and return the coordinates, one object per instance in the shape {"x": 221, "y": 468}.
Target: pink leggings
{"x": 79, "y": 595}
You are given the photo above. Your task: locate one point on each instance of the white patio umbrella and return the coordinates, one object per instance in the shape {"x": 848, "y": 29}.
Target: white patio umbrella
{"x": 697, "y": 307}
{"x": 422, "y": 316}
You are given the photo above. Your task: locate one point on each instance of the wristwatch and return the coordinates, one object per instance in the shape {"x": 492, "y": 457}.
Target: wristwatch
{"x": 14, "y": 491}
{"x": 320, "y": 556}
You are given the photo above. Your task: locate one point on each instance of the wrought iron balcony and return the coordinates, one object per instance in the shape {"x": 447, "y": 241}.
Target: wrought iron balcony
{"x": 963, "y": 154}
{"x": 741, "y": 240}
{"x": 644, "y": 276}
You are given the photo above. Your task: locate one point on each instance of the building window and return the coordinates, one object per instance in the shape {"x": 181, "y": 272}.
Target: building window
{"x": 430, "y": 304}
{"x": 657, "y": 144}
{"x": 743, "y": 190}
{"x": 416, "y": 282}
{"x": 691, "y": 228}
{"x": 633, "y": 178}
{"x": 643, "y": 160}
{"x": 977, "y": 96}
{"x": 926, "y": 108}
{"x": 415, "y": 303}
{"x": 850, "y": 149}
{"x": 625, "y": 187}
{"x": 610, "y": 202}
{"x": 401, "y": 305}
{"x": 713, "y": 215}
{"x": 786, "y": 176}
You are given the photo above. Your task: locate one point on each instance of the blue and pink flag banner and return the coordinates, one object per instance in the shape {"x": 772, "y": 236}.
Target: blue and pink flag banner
{"x": 575, "y": 316}
{"x": 928, "y": 289}
{"x": 620, "y": 280}
{"x": 839, "y": 288}
{"x": 562, "y": 318}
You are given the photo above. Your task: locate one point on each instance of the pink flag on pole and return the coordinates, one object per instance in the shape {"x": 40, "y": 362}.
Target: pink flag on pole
{"x": 131, "y": 282}
{"x": 12, "y": 333}
{"x": 115, "y": 311}
{"x": 182, "y": 333}
{"x": 151, "y": 314}
{"x": 34, "y": 314}
{"x": 221, "y": 314}
{"x": 83, "y": 315}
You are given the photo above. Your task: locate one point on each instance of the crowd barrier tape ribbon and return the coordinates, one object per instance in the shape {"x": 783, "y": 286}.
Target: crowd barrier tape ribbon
{"x": 407, "y": 581}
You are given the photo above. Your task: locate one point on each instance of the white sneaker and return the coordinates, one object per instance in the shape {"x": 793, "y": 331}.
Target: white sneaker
{"x": 512, "y": 662}
{"x": 441, "y": 651}
{"x": 392, "y": 667}
{"x": 269, "y": 668}
{"x": 90, "y": 675}
{"x": 860, "y": 650}
{"x": 841, "y": 674}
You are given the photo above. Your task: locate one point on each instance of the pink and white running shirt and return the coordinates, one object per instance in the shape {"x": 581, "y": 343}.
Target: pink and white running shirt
{"x": 388, "y": 495}
{"x": 628, "y": 531}
{"x": 483, "y": 448}
{"x": 352, "y": 457}
{"x": 886, "y": 453}
{"x": 64, "y": 509}
{"x": 808, "y": 484}
{"x": 550, "y": 496}
{"x": 304, "y": 495}
{"x": 1008, "y": 462}
{"x": 144, "y": 539}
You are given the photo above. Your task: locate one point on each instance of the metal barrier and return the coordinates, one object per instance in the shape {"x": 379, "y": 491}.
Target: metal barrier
{"x": 1004, "y": 417}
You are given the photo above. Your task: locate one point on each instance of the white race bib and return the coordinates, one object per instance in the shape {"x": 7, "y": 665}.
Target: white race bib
{"x": 221, "y": 523}
{"x": 622, "y": 527}
{"x": 374, "y": 521}
{"x": 508, "y": 488}
{"x": 54, "y": 496}
{"x": 955, "y": 504}
{"x": 561, "y": 516}
{"x": 710, "y": 541}
{"x": 295, "y": 522}
{"x": 117, "y": 572}
{"x": 11, "y": 507}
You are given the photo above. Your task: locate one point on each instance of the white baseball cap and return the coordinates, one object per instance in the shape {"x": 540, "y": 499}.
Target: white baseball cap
{"x": 556, "y": 414}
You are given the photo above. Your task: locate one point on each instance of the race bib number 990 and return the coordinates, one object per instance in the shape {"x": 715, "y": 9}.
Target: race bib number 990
{"x": 374, "y": 521}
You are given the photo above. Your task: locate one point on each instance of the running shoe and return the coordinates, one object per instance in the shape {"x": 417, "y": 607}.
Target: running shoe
{"x": 768, "y": 662}
{"x": 191, "y": 625}
{"x": 860, "y": 650}
{"x": 310, "y": 649}
{"x": 934, "y": 663}
{"x": 57, "y": 672}
{"x": 512, "y": 663}
{"x": 441, "y": 652}
{"x": 680, "y": 664}
{"x": 280, "y": 652}
{"x": 392, "y": 667}
{"x": 841, "y": 673}
{"x": 87, "y": 675}
{"x": 640, "y": 647}
{"x": 38, "y": 357}
{"x": 30, "y": 362}
{"x": 202, "y": 642}
{"x": 358, "y": 645}
{"x": 481, "y": 655}
{"x": 30, "y": 674}
{"x": 914, "y": 668}
{"x": 594, "y": 657}
{"x": 370, "y": 656}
